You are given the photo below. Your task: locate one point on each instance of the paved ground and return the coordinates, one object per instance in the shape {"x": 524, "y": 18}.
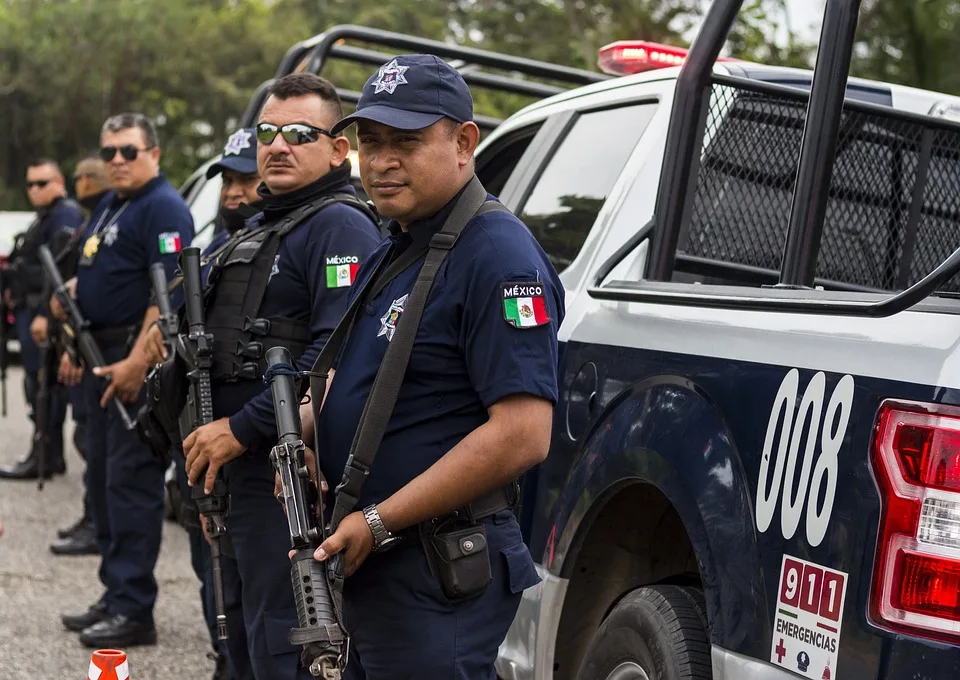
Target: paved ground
{"x": 36, "y": 586}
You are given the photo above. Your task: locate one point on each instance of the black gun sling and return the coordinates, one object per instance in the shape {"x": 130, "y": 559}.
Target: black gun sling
{"x": 386, "y": 387}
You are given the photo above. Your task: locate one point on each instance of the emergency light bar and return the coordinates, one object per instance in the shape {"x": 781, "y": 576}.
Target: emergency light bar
{"x": 626, "y": 57}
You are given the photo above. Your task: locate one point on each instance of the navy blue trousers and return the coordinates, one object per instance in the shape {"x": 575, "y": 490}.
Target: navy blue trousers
{"x": 402, "y": 627}
{"x": 125, "y": 487}
{"x": 30, "y": 358}
{"x": 235, "y": 650}
{"x": 261, "y": 540}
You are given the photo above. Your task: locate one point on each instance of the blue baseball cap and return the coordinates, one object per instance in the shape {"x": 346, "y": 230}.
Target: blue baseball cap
{"x": 239, "y": 154}
{"x": 412, "y": 92}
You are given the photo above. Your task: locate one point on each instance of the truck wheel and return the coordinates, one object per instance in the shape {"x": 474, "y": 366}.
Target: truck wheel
{"x": 654, "y": 633}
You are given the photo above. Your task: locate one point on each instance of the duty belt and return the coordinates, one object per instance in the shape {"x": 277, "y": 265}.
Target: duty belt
{"x": 504, "y": 498}
{"x": 113, "y": 337}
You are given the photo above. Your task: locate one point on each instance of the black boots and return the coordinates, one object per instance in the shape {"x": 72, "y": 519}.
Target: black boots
{"x": 28, "y": 468}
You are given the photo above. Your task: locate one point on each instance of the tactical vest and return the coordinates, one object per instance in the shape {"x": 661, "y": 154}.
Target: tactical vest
{"x": 235, "y": 289}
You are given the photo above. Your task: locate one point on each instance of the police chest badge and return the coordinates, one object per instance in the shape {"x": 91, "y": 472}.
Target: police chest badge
{"x": 388, "y": 322}
{"x": 524, "y": 305}
{"x": 110, "y": 235}
{"x": 91, "y": 246}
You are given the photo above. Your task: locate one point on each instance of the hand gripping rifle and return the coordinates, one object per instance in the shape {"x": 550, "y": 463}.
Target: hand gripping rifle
{"x": 77, "y": 327}
{"x": 196, "y": 349}
{"x": 323, "y": 640}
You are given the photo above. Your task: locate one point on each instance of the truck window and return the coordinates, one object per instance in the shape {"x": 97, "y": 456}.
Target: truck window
{"x": 498, "y": 162}
{"x": 881, "y": 232}
{"x": 574, "y": 184}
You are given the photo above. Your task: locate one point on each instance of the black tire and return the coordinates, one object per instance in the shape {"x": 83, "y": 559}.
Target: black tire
{"x": 659, "y": 630}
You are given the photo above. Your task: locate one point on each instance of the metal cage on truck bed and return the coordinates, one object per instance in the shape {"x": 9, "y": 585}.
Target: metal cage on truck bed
{"x": 893, "y": 204}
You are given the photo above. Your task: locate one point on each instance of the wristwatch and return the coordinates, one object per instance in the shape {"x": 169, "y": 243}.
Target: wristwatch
{"x": 382, "y": 539}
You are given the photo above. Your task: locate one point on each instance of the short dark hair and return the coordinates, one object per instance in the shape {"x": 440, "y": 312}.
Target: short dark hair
{"x": 300, "y": 84}
{"x": 125, "y": 121}
{"x": 40, "y": 161}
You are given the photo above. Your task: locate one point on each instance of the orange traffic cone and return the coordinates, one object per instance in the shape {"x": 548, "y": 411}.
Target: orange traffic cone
{"x": 108, "y": 664}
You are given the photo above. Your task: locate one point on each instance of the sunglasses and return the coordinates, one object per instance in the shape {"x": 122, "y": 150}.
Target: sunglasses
{"x": 41, "y": 183}
{"x": 293, "y": 133}
{"x": 128, "y": 151}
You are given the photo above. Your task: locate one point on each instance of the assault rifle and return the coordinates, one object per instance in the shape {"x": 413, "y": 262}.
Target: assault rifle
{"x": 77, "y": 328}
{"x": 168, "y": 320}
{"x": 196, "y": 349}
{"x": 4, "y": 325}
{"x": 323, "y": 640}
{"x": 41, "y": 410}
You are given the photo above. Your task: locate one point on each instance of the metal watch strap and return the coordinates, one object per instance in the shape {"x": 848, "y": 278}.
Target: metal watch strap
{"x": 380, "y": 533}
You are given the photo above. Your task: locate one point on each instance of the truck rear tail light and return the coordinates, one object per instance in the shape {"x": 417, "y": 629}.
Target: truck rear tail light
{"x": 916, "y": 460}
{"x": 626, "y": 57}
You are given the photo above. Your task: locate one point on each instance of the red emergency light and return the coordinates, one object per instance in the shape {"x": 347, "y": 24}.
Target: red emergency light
{"x": 626, "y": 57}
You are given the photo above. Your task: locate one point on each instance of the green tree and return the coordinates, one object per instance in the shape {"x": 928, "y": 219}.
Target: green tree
{"x": 909, "y": 42}
{"x": 752, "y": 37}
{"x": 65, "y": 65}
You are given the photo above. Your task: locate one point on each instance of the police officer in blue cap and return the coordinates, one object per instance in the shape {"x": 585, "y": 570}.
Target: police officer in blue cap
{"x": 143, "y": 220}
{"x": 475, "y": 407}
{"x": 282, "y": 280}
{"x": 239, "y": 201}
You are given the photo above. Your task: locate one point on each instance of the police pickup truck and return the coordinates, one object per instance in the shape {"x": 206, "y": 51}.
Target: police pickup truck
{"x": 755, "y": 465}
{"x": 746, "y": 480}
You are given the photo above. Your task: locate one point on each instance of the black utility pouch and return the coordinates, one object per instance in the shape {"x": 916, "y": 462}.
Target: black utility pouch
{"x": 459, "y": 558}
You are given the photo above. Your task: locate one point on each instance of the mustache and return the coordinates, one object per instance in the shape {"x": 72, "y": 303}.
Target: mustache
{"x": 278, "y": 159}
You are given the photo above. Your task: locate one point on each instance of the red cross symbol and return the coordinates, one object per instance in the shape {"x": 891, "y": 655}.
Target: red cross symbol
{"x": 781, "y": 651}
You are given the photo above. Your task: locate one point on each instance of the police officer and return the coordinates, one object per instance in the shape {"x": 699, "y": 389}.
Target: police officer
{"x": 475, "y": 407}
{"x": 57, "y": 218}
{"x": 307, "y": 248}
{"x": 90, "y": 186}
{"x": 142, "y": 220}
{"x": 238, "y": 202}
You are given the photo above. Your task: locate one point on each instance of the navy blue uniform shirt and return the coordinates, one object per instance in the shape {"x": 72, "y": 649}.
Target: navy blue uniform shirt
{"x": 309, "y": 283}
{"x": 114, "y": 289}
{"x": 468, "y": 352}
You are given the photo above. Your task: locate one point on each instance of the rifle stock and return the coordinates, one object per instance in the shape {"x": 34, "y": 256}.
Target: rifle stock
{"x": 323, "y": 640}
{"x": 196, "y": 348}
{"x": 78, "y": 327}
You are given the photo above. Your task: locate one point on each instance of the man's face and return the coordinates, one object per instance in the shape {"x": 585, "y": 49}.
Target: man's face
{"x": 128, "y": 176}
{"x": 411, "y": 174}
{"x": 287, "y": 167}
{"x": 238, "y": 188}
{"x": 44, "y": 185}
{"x": 83, "y": 175}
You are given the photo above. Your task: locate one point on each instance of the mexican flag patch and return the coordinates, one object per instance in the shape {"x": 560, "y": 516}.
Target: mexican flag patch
{"x": 342, "y": 270}
{"x": 524, "y": 305}
{"x": 169, "y": 242}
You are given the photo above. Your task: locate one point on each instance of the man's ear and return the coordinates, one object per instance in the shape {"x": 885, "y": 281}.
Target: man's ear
{"x": 341, "y": 147}
{"x": 468, "y": 137}
{"x": 155, "y": 155}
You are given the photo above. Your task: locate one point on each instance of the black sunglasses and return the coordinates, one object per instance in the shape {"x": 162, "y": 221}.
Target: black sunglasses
{"x": 41, "y": 183}
{"x": 128, "y": 151}
{"x": 293, "y": 133}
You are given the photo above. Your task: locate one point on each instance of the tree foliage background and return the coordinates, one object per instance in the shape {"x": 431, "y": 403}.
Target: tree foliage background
{"x": 192, "y": 65}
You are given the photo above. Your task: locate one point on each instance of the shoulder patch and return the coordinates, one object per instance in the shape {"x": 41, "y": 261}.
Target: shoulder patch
{"x": 524, "y": 305}
{"x": 169, "y": 242}
{"x": 341, "y": 270}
